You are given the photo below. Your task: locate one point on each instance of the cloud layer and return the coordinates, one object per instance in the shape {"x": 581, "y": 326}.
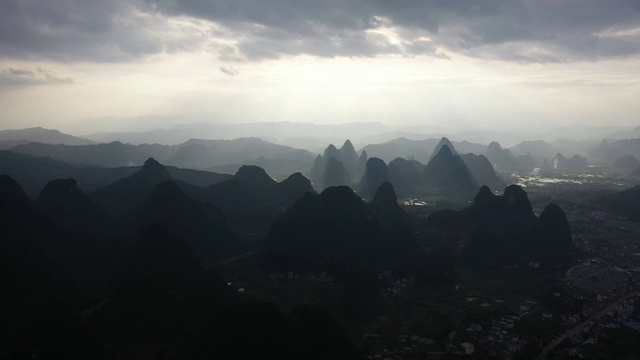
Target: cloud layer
{"x": 252, "y": 30}
{"x": 21, "y": 77}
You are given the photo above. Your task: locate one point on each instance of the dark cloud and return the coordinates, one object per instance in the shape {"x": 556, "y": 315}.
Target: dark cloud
{"x": 245, "y": 30}
{"x": 21, "y": 77}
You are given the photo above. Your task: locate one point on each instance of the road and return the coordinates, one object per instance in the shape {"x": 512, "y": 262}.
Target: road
{"x": 578, "y": 328}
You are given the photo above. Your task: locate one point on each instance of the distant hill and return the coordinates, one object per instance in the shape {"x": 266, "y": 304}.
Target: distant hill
{"x": 608, "y": 151}
{"x": 420, "y": 150}
{"x": 279, "y": 131}
{"x": 575, "y": 163}
{"x": 11, "y": 138}
{"x": 605, "y": 153}
{"x": 200, "y": 154}
{"x": 627, "y": 134}
{"x": 626, "y": 163}
{"x": 33, "y": 172}
{"x": 537, "y": 148}
{"x": 337, "y": 166}
{"x": 114, "y": 154}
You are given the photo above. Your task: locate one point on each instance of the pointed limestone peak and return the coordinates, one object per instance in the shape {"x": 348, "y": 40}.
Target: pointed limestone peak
{"x": 348, "y": 146}
{"x": 444, "y": 142}
{"x": 154, "y": 170}
{"x": 516, "y": 197}
{"x": 349, "y": 154}
{"x": 386, "y": 195}
{"x": 332, "y": 152}
{"x": 484, "y": 196}
{"x": 376, "y": 172}
{"x": 445, "y": 151}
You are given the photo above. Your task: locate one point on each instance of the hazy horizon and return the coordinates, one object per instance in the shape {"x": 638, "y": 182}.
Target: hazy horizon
{"x": 518, "y": 66}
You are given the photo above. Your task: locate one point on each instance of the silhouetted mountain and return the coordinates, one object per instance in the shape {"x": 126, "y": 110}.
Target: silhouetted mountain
{"x": 19, "y": 231}
{"x": 335, "y": 174}
{"x": 420, "y": 150}
{"x": 376, "y": 173}
{"x": 575, "y": 163}
{"x": 511, "y": 210}
{"x": 384, "y": 206}
{"x": 405, "y": 174}
{"x": 482, "y": 171}
{"x": 291, "y": 189}
{"x": 626, "y": 163}
{"x": 33, "y": 172}
{"x": 255, "y": 176}
{"x": 11, "y": 138}
{"x": 41, "y": 262}
{"x": 636, "y": 172}
{"x": 504, "y": 232}
{"x": 334, "y": 232}
{"x": 246, "y": 201}
{"x": 131, "y": 192}
{"x": 203, "y": 227}
{"x": 555, "y": 245}
{"x": 447, "y": 172}
{"x": 65, "y": 202}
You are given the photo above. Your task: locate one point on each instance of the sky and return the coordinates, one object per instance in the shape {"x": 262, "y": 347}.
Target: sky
{"x": 85, "y": 65}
